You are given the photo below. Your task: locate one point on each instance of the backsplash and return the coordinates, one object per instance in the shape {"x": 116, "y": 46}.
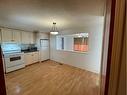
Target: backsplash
{"x": 27, "y": 46}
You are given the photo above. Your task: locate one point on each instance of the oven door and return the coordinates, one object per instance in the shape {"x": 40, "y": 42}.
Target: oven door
{"x": 14, "y": 60}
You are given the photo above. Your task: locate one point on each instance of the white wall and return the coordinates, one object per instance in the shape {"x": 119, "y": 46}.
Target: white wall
{"x": 90, "y": 60}
{"x": 68, "y": 43}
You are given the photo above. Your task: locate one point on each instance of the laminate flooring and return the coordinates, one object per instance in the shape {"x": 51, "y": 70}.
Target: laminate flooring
{"x": 51, "y": 78}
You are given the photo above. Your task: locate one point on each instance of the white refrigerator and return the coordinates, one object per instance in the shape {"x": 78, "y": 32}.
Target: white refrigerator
{"x": 44, "y": 49}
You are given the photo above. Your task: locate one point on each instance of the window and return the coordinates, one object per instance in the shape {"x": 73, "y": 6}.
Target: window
{"x": 60, "y": 43}
{"x": 81, "y": 44}
{"x": 62, "y": 39}
{"x": 73, "y": 42}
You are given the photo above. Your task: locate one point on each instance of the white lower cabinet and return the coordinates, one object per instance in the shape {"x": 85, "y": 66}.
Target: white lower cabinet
{"x": 35, "y": 57}
{"x": 31, "y": 57}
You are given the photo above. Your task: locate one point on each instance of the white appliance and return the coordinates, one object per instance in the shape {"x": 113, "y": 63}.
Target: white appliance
{"x": 13, "y": 57}
{"x": 44, "y": 49}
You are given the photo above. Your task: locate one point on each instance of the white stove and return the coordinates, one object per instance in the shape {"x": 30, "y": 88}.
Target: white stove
{"x": 13, "y": 57}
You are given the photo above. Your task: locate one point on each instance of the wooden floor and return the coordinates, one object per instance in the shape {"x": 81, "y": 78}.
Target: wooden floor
{"x": 51, "y": 78}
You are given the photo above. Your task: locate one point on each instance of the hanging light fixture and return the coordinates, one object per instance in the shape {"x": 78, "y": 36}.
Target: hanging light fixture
{"x": 54, "y": 30}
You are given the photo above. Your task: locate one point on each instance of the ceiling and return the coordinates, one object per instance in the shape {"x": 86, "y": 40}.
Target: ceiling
{"x": 38, "y": 15}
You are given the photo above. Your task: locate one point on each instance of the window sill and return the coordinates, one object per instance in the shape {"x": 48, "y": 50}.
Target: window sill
{"x": 73, "y": 51}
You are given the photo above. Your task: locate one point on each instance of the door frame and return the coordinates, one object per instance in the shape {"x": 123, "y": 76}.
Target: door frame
{"x": 114, "y": 25}
{"x": 2, "y": 79}
{"x": 117, "y": 47}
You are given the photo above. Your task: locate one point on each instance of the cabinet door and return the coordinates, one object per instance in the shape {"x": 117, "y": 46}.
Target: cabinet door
{"x": 25, "y": 37}
{"x": 28, "y": 57}
{"x": 17, "y": 36}
{"x": 32, "y": 38}
{"x": 7, "y": 35}
{"x": 35, "y": 57}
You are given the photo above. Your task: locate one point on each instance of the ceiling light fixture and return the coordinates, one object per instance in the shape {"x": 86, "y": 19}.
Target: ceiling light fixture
{"x": 54, "y": 30}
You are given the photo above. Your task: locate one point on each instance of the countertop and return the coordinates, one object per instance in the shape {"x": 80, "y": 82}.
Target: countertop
{"x": 28, "y": 51}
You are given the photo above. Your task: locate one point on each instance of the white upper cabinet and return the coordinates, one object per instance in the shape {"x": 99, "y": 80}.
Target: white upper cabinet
{"x": 10, "y": 35}
{"x": 17, "y": 36}
{"x": 25, "y": 37}
{"x": 28, "y": 38}
{"x": 7, "y": 35}
{"x": 13, "y": 35}
{"x": 32, "y": 38}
